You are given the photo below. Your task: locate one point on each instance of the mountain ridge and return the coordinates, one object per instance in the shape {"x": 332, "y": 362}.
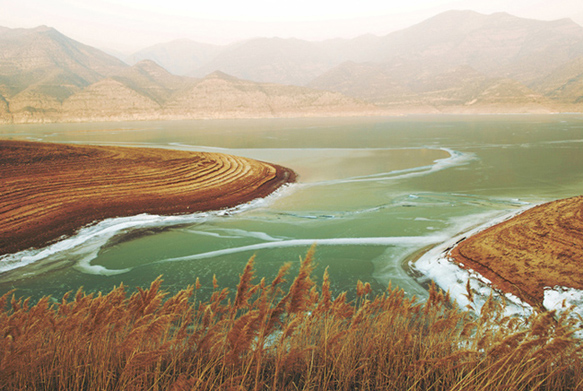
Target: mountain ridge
{"x": 454, "y": 62}
{"x": 48, "y": 77}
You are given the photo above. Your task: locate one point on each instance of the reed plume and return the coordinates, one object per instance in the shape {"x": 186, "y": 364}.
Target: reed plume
{"x": 269, "y": 339}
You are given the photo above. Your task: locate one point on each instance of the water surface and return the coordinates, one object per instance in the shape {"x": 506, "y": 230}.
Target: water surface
{"x": 371, "y": 192}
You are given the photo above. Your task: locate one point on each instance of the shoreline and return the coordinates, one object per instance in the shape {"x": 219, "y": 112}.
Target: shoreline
{"x": 535, "y": 251}
{"x": 376, "y": 111}
{"x": 550, "y": 284}
{"x": 99, "y": 235}
{"x": 340, "y": 115}
{"x": 434, "y": 263}
{"x": 52, "y": 190}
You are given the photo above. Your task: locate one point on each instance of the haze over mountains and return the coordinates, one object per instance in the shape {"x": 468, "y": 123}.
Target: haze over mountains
{"x": 455, "y": 62}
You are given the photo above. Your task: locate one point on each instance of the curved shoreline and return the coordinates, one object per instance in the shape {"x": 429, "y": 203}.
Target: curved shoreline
{"x": 48, "y": 191}
{"x": 539, "y": 249}
{"x": 434, "y": 263}
{"x": 530, "y": 256}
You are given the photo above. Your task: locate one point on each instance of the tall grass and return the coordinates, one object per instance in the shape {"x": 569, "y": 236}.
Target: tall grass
{"x": 268, "y": 338}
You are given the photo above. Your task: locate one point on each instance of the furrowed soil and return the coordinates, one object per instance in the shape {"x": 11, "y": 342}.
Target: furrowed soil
{"x": 51, "y": 190}
{"x": 542, "y": 247}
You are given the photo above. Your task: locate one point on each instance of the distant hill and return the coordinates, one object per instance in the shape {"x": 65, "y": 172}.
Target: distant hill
{"x": 455, "y": 62}
{"x": 221, "y": 95}
{"x": 40, "y": 68}
{"x": 564, "y": 84}
{"x": 216, "y": 96}
{"x": 276, "y": 60}
{"x": 288, "y": 61}
{"x": 46, "y": 60}
{"x": 498, "y": 45}
{"x": 47, "y": 77}
{"x": 471, "y": 61}
{"x": 180, "y": 57}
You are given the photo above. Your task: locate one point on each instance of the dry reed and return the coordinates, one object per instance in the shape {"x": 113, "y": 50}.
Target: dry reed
{"x": 270, "y": 339}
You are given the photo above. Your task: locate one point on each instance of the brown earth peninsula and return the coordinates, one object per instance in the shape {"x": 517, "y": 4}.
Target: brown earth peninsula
{"x": 50, "y": 190}
{"x": 542, "y": 247}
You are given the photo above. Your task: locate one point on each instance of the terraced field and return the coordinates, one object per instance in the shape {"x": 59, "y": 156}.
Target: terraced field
{"x": 50, "y": 190}
{"x": 542, "y": 247}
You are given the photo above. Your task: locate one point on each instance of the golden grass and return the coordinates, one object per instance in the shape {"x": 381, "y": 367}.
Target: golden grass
{"x": 268, "y": 338}
{"x": 539, "y": 248}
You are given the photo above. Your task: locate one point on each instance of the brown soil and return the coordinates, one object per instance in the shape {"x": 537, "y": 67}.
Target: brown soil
{"x": 50, "y": 190}
{"x": 542, "y": 247}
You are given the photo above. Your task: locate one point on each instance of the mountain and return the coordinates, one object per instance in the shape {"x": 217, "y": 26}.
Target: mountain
{"x": 46, "y": 60}
{"x": 152, "y": 81}
{"x": 136, "y": 92}
{"x": 471, "y": 61}
{"x": 39, "y": 68}
{"x": 455, "y": 62}
{"x": 108, "y": 99}
{"x": 499, "y": 45}
{"x": 411, "y": 88}
{"x": 457, "y": 58}
{"x": 47, "y": 77}
{"x": 220, "y": 95}
{"x": 564, "y": 84}
{"x": 288, "y": 61}
{"x": 180, "y": 57}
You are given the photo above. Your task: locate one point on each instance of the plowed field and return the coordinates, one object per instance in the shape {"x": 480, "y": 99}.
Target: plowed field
{"x": 542, "y": 247}
{"x": 50, "y": 190}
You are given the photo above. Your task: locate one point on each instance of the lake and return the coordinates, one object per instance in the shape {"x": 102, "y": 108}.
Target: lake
{"x": 371, "y": 193}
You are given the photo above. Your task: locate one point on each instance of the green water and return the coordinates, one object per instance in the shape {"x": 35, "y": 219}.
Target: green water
{"x": 371, "y": 192}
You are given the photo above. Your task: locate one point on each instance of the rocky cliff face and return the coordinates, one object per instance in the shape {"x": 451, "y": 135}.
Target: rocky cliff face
{"x": 220, "y": 95}
{"x": 106, "y": 99}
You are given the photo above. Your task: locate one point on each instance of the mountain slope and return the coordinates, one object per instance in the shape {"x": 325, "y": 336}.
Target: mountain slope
{"x": 470, "y": 61}
{"x": 108, "y": 98}
{"x": 222, "y": 95}
{"x": 45, "y": 57}
{"x": 47, "y": 77}
{"x": 458, "y": 61}
{"x": 288, "y": 61}
{"x": 152, "y": 81}
{"x": 179, "y": 57}
{"x": 40, "y": 68}
{"x": 499, "y": 45}
{"x": 564, "y": 84}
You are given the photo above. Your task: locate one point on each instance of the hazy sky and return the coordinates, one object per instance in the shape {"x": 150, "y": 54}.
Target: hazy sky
{"x": 130, "y": 25}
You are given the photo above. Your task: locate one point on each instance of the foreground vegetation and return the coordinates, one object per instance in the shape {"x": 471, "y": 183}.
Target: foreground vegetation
{"x": 265, "y": 338}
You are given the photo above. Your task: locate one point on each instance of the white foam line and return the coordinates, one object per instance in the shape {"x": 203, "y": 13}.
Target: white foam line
{"x": 436, "y": 265}
{"x": 381, "y": 241}
{"x": 100, "y": 233}
{"x": 456, "y": 158}
{"x": 84, "y": 265}
{"x": 236, "y": 234}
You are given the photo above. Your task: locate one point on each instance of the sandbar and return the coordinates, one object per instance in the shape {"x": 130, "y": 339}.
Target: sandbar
{"x": 48, "y": 190}
{"x": 540, "y": 248}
